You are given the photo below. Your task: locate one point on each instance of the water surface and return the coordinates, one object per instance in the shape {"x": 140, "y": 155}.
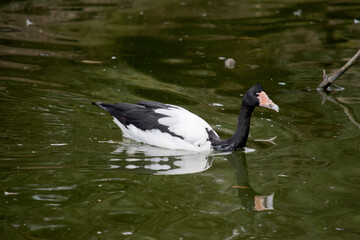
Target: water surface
{"x": 66, "y": 172}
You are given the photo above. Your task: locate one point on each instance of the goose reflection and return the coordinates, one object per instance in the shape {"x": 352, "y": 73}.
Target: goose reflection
{"x": 249, "y": 198}
{"x": 142, "y": 158}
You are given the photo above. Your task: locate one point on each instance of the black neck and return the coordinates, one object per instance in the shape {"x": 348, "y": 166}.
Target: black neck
{"x": 238, "y": 140}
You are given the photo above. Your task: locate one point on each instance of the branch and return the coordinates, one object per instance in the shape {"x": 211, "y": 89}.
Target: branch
{"x": 328, "y": 80}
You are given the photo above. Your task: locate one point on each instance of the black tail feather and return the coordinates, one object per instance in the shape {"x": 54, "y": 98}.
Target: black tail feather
{"x": 107, "y": 107}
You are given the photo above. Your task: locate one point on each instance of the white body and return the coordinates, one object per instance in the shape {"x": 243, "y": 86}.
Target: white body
{"x": 181, "y": 122}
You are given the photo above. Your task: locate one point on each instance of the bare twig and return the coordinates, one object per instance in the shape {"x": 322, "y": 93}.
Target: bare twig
{"x": 270, "y": 140}
{"x": 328, "y": 80}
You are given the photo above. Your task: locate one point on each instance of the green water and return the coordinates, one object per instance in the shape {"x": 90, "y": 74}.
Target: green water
{"x": 66, "y": 172}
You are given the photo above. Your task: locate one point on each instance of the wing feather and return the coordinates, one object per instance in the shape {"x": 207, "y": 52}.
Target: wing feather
{"x": 186, "y": 124}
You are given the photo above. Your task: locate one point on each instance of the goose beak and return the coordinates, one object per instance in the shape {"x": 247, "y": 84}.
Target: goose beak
{"x": 265, "y": 101}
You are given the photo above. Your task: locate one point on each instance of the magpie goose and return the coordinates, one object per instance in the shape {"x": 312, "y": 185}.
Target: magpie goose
{"x": 170, "y": 126}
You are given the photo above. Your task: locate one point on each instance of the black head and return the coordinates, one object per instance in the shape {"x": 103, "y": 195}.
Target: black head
{"x": 256, "y": 96}
{"x": 250, "y": 97}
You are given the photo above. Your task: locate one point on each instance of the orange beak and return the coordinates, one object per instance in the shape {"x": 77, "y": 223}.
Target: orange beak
{"x": 265, "y": 101}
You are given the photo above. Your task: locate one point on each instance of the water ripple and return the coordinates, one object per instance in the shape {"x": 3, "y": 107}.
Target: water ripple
{"x": 50, "y": 198}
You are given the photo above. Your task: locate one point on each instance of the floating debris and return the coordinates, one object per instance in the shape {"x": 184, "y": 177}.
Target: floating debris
{"x": 270, "y": 140}
{"x": 91, "y": 61}
{"x": 28, "y": 22}
{"x": 356, "y": 21}
{"x": 216, "y": 104}
{"x": 175, "y": 60}
{"x": 298, "y": 13}
{"x": 10, "y": 193}
{"x": 58, "y": 144}
{"x": 230, "y": 63}
{"x": 113, "y": 57}
{"x": 282, "y": 83}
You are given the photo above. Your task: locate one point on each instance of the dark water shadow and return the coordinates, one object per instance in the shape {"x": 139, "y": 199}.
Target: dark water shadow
{"x": 249, "y": 198}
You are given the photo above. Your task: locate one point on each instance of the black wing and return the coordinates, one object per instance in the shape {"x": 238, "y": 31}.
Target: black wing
{"x": 141, "y": 115}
